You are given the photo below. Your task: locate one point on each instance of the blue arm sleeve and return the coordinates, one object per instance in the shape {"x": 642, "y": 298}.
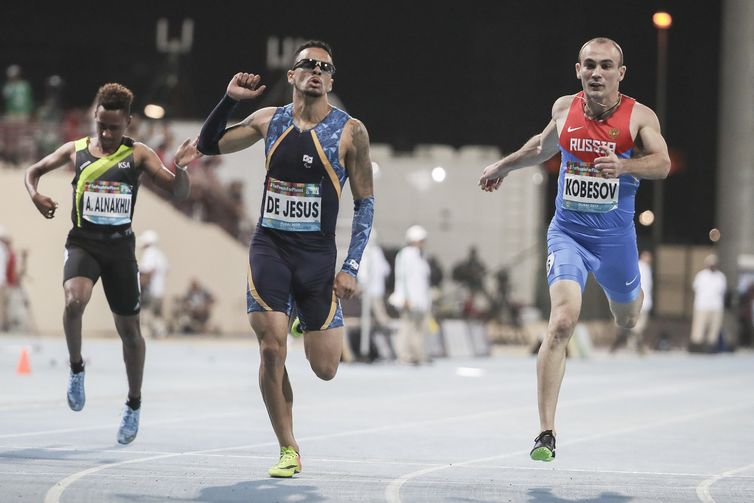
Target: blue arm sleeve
{"x": 214, "y": 127}
{"x": 363, "y": 214}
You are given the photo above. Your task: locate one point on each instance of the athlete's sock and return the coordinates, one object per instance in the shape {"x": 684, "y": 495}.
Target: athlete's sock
{"x": 134, "y": 403}
{"x": 77, "y": 367}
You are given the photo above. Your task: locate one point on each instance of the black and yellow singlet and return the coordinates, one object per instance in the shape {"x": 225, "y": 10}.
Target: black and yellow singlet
{"x": 104, "y": 188}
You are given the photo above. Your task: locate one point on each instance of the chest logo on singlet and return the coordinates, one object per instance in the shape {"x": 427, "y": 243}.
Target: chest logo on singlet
{"x": 107, "y": 203}
{"x": 584, "y": 189}
{"x": 308, "y": 160}
{"x": 124, "y": 165}
{"x": 290, "y": 206}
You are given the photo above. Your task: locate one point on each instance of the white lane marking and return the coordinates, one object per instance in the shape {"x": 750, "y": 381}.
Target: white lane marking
{"x": 338, "y": 475}
{"x": 361, "y": 461}
{"x": 702, "y": 490}
{"x": 55, "y": 492}
{"x": 109, "y": 425}
{"x": 392, "y": 491}
{"x": 469, "y": 372}
{"x": 53, "y": 495}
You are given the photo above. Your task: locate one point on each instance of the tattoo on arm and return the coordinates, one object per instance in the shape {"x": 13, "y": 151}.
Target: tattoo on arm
{"x": 359, "y": 163}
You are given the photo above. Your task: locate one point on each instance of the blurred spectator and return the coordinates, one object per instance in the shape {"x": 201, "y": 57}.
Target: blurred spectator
{"x": 18, "y": 313}
{"x": 709, "y": 302}
{"x": 4, "y": 257}
{"x": 194, "y": 310}
{"x": 209, "y": 200}
{"x": 159, "y": 134}
{"x": 745, "y": 307}
{"x": 50, "y": 116}
{"x": 76, "y": 123}
{"x": 373, "y": 272}
{"x": 504, "y": 310}
{"x": 17, "y": 95}
{"x": 14, "y": 303}
{"x": 243, "y": 222}
{"x": 137, "y": 130}
{"x": 436, "y": 274}
{"x": 636, "y": 335}
{"x": 470, "y": 273}
{"x": 746, "y": 314}
{"x": 412, "y": 297}
{"x": 153, "y": 270}
{"x": 17, "y": 144}
{"x": 502, "y": 306}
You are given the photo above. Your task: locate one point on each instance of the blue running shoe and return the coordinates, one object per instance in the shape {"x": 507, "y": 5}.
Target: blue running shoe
{"x": 76, "y": 395}
{"x": 129, "y": 425}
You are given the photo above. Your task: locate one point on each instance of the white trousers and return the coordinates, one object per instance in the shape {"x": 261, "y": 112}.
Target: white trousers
{"x": 705, "y": 326}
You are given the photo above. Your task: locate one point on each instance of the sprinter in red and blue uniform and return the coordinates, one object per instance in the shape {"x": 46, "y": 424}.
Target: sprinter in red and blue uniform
{"x": 608, "y": 143}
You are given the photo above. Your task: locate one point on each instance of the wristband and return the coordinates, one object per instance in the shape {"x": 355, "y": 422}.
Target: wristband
{"x": 182, "y": 168}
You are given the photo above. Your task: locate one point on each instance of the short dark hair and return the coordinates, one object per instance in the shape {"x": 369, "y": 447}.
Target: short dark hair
{"x": 114, "y": 96}
{"x": 313, "y": 43}
{"x": 603, "y": 40}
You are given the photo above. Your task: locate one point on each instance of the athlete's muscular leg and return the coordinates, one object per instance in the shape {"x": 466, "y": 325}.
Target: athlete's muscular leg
{"x": 627, "y": 315}
{"x": 565, "y": 297}
{"x": 134, "y": 351}
{"x": 271, "y": 329}
{"x": 78, "y": 291}
{"x": 323, "y": 350}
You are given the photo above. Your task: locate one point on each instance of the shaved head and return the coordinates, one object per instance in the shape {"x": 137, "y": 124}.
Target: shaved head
{"x": 603, "y": 40}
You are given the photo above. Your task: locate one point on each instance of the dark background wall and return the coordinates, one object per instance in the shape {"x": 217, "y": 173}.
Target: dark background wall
{"x": 482, "y": 73}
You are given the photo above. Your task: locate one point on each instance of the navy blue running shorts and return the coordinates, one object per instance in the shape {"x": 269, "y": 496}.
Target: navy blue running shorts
{"x": 286, "y": 273}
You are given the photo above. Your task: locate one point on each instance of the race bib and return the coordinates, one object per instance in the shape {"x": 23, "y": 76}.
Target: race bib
{"x": 584, "y": 189}
{"x": 290, "y": 206}
{"x": 107, "y": 203}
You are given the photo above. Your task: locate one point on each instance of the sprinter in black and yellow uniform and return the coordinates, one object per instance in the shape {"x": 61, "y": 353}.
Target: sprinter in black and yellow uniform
{"x": 312, "y": 149}
{"x": 101, "y": 244}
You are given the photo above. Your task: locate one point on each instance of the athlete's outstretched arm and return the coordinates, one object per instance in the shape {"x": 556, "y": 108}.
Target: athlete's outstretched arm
{"x": 653, "y": 161}
{"x": 359, "y": 166}
{"x": 177, "y": 184}
{"x": 215, "y": 138}
{"x": 62, "y": 156}
{"x": 535, "y": 151}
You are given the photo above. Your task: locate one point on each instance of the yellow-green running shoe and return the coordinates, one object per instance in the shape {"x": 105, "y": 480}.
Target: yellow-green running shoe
{"x": 296, "y": 329}
{"x": 290, "y": 463}
{"x": 544, "y": 447}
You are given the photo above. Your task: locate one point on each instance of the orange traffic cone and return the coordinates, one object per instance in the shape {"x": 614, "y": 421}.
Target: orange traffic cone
{"x": 23, "y": 366}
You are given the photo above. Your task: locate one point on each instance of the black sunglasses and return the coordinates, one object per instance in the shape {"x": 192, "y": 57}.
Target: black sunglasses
{"x": 310, "y": 64}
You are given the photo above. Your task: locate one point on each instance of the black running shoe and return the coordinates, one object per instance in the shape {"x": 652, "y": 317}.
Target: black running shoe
{"x": 544, "y": 447}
